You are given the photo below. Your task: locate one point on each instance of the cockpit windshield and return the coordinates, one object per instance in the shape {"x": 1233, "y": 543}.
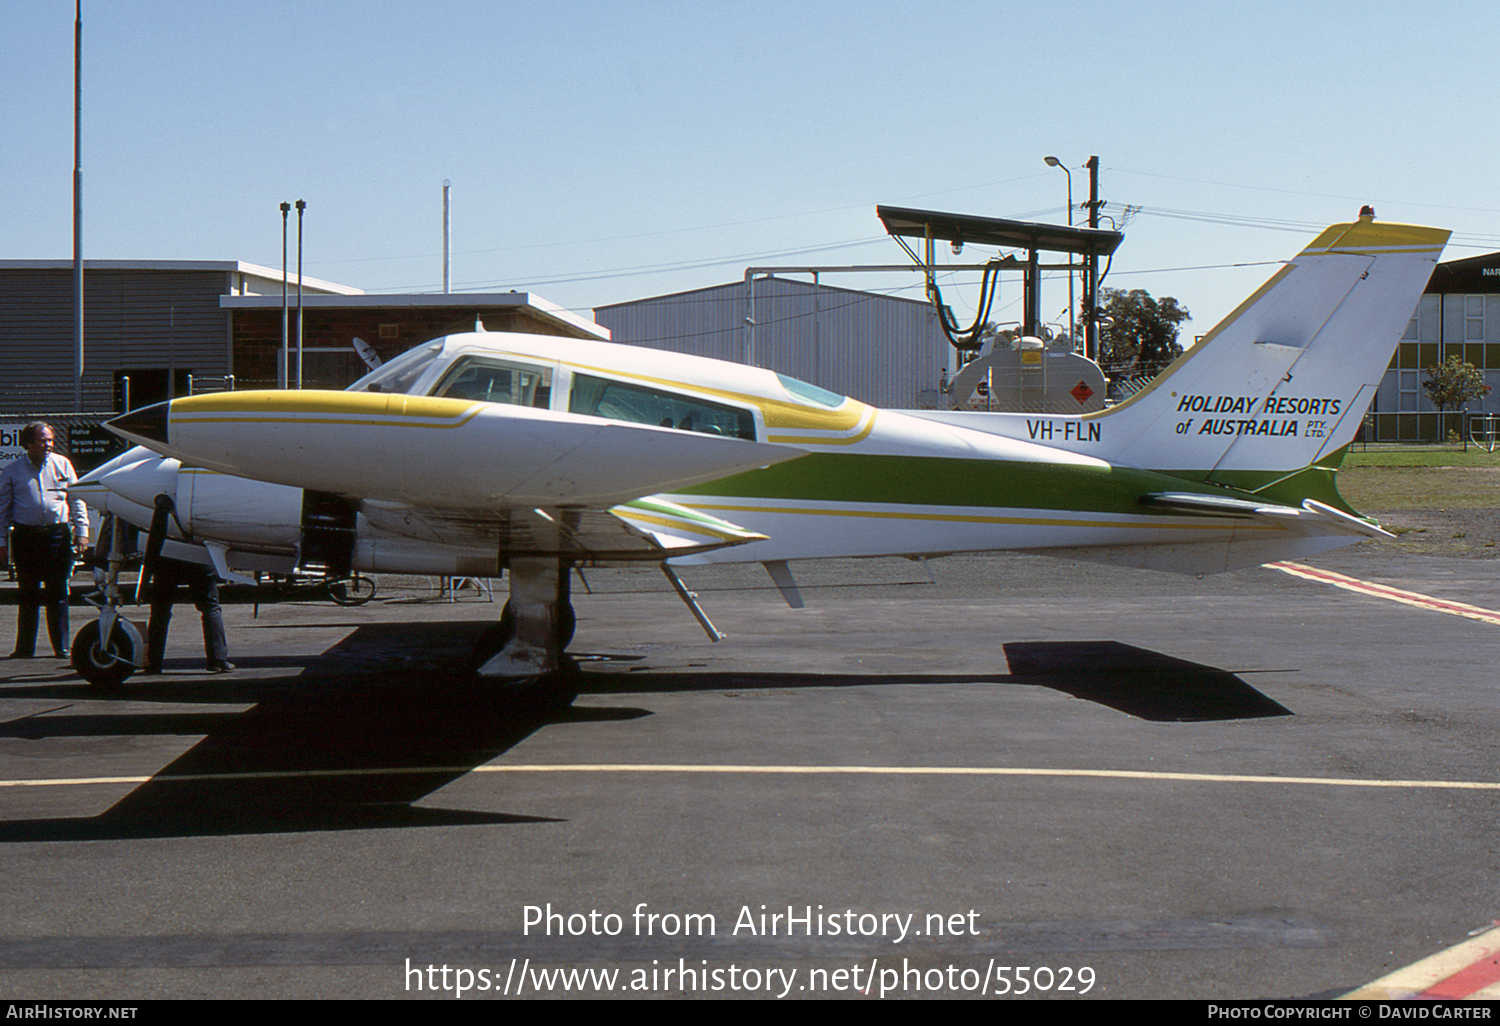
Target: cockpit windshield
{"x": 400, "y": 374}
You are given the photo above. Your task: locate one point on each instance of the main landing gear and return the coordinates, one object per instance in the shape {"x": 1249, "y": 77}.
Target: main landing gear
{"x": 527, "y": 647}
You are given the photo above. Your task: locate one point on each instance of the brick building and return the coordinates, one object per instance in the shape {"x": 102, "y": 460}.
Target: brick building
{"x": 159, "y": 329}
{"x": 391, "y": 324}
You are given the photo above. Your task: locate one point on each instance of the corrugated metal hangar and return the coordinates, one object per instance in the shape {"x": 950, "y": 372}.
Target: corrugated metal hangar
{"x": 155, "y": 322}
{"x": 881, "y": 350}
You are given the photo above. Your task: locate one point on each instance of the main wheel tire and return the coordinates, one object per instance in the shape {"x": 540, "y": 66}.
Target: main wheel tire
{"x": 495, "y": 637}
{"x": 567, "y": 624}
{"x": 107, "y": 665}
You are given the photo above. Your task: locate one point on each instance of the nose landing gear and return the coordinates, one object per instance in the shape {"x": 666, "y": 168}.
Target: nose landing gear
{"x": 107, "y": 650}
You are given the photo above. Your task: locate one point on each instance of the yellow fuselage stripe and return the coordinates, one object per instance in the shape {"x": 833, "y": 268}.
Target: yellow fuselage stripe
{"x": 1195, "y": 523}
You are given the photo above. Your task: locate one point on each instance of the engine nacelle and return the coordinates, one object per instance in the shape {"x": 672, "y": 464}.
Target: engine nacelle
{"x": 239, "y": 513}
{"x": 279, "y": 529}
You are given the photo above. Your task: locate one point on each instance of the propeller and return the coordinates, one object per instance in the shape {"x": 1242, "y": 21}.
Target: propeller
{"x": 367, "y": 353}
{"x": 165, "y": 509}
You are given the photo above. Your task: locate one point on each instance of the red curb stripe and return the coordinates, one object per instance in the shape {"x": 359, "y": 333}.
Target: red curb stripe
{"x": 1466, "y": 981}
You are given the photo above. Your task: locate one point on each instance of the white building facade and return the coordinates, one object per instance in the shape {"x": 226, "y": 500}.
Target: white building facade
{"x": 1459, "y": 315}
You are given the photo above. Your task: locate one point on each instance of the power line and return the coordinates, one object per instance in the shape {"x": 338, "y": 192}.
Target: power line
{"x": 1299, "y": 192}
{"x": 712, "y": 227}
{"x": 628, "y": 272}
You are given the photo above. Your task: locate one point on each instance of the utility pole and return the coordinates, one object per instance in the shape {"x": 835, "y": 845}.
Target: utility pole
{"x": 78, "y": 208}
{"x": 301, "y": 206}
{"x": 447, "y": 241}
{"x": 1091, "y": 287}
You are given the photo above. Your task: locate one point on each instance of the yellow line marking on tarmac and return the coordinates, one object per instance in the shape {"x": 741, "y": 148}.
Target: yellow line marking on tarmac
{"x": 1385, "y": 591}
{"x": 915, "y": 771}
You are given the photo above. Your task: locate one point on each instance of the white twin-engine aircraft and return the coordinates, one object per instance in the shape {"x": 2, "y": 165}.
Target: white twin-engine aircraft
{"x": 479, "y": 453}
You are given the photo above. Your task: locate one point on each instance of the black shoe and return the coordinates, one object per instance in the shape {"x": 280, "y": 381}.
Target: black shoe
{"x": 151, "y": 669}
{"x": 18, "y": 654}
{"x": 60, "y": 653}
{"x": 223, "y": 667}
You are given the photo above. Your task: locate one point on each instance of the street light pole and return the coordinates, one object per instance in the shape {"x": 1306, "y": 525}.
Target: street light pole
{"x": 1054, "y": 162}
{"x": 281, "y": 353}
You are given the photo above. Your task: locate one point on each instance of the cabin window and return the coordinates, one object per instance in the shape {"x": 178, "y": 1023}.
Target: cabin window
{"x": 497, "y": 381}
{"x": 811, "y": 393}
{"x": 649, "y": 404}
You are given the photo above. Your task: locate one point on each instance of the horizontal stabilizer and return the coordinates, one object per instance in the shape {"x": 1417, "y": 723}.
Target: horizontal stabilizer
{"x": 680, "y": 530}
{"x": 1312, "y": 516}
{"x": 1350, "y": 524}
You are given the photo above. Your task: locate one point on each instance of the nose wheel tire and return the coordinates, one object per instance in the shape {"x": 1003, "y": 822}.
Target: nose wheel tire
{"x": 107, "y": 665}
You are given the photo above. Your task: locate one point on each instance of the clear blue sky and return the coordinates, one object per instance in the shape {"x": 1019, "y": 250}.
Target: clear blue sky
{"x": 604, "y": 151}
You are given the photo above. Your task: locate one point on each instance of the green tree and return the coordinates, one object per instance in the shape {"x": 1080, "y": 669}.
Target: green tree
{"x": 1452, "y": 383}
{"x": 1139, "y": 337}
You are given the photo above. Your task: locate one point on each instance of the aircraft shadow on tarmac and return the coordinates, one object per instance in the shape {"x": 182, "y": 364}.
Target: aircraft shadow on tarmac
{"x": 1136, "y": 681}
{"x": 379, "y": 722}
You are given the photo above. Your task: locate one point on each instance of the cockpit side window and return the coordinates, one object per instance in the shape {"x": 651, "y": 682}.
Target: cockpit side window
{"x": 497, "y": 381}
{"x": 811, "y": 393}
{"x": 649, "y": 404}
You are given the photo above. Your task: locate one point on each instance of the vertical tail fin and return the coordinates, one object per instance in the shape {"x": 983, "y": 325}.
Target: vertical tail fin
{"x": 1283, "y": 382}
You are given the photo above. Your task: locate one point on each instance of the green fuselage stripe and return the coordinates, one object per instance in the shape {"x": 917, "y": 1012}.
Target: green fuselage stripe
{"x": 929, "y": 481}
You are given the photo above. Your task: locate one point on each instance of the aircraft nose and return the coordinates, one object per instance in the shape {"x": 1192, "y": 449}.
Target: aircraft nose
{"x": 147, "y": 424}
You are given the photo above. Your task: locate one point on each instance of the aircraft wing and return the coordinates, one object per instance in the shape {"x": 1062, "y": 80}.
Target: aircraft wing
{"x": 647, "y": 529}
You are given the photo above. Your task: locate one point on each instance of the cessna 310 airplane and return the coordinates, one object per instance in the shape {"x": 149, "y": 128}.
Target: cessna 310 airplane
{"x": 478, "y": 453}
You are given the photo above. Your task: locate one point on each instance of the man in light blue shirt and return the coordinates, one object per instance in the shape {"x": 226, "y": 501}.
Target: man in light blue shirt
{"x": 48, "y": 530}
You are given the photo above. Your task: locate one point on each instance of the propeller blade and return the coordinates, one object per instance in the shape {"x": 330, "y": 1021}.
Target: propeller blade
{"x": 158, "y": 534}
